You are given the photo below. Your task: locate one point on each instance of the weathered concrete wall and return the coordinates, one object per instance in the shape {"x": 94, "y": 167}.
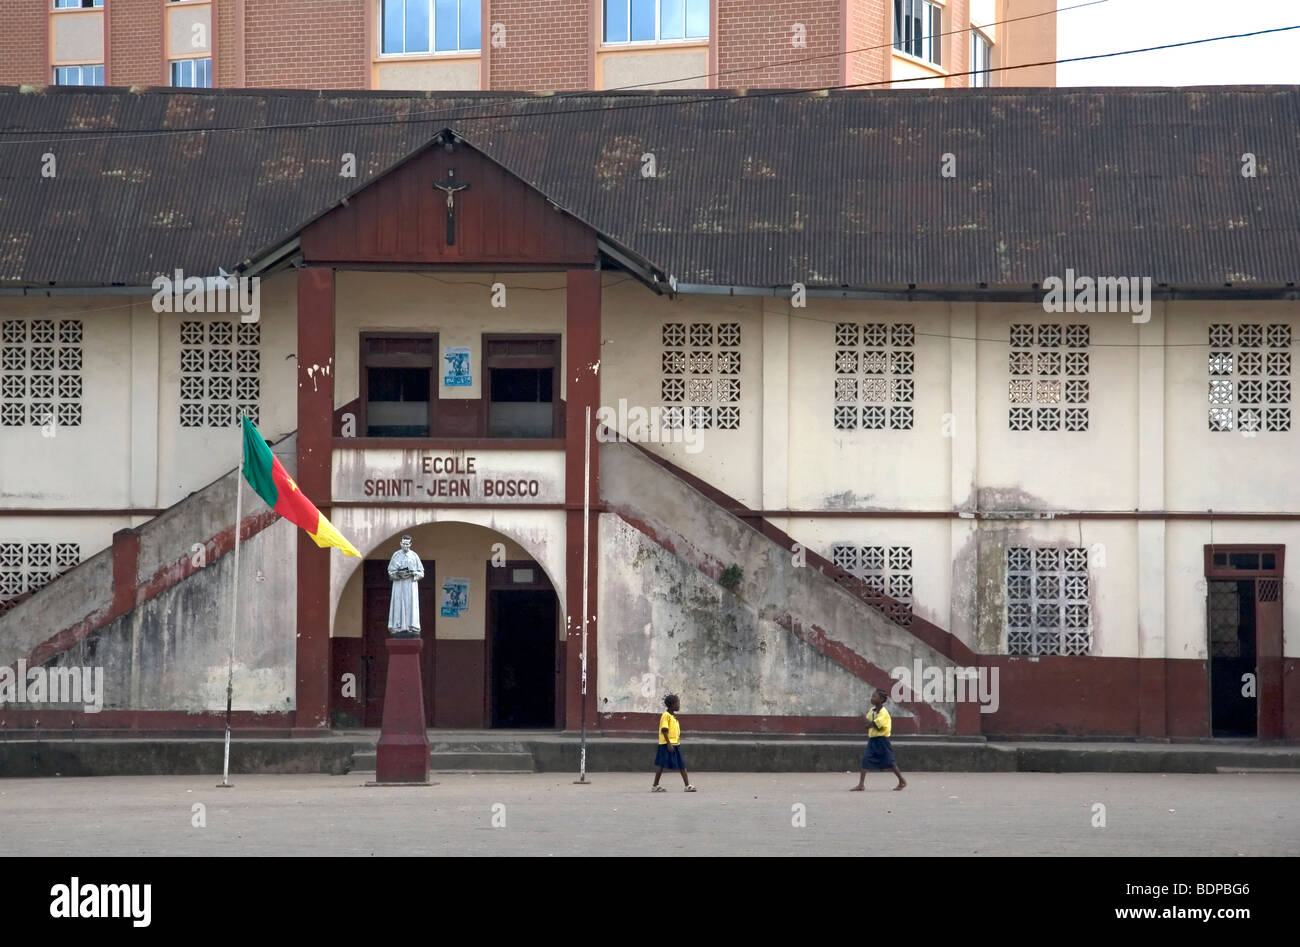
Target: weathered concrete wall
{"x": 660, "y": 616}
{"x": 725, "y": 653}
{"x": 171, "y": 651}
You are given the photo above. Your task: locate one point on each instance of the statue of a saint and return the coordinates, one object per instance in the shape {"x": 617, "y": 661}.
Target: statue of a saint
{"x": 405, "y": 570}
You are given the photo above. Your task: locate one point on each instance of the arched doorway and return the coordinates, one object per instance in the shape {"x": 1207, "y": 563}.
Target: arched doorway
{"x": 491, "y": 622}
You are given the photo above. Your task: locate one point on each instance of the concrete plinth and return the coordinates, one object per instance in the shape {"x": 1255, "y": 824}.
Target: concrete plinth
{"x": 402, "y": 755}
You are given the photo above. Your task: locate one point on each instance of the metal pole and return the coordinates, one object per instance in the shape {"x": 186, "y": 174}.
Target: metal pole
{"x": 234, "y": 612}
{"x": 586, "y": 573}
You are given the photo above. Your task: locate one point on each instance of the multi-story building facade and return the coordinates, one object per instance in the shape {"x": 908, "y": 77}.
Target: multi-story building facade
{"x": 1032, "y": 417}
{"x": 526, "y": 44}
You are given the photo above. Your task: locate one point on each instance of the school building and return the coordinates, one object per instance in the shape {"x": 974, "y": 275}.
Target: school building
{"x": 923, "y": 379}
{"x": 494, "y": 45}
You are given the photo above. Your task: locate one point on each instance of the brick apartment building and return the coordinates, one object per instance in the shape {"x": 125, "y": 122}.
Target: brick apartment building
{"x": 525, "y": 44}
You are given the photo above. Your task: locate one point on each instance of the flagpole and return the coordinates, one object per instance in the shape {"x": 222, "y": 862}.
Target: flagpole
{"x": 586, "y": 572}
{"x": 234, "y": 608}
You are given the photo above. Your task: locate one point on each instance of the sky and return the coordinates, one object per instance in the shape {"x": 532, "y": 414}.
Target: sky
{"x": 1130, "y": 24}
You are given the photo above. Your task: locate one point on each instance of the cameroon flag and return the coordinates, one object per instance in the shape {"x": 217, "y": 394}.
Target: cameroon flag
{"x": 269, "y": 479}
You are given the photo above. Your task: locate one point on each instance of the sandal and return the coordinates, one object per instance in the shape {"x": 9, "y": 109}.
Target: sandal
{"x": 658, "y": 789}
{"x": 690, "y": 789}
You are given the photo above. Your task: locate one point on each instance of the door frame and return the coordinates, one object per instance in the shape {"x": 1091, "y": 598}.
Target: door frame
{"x": 1267, "y": 584}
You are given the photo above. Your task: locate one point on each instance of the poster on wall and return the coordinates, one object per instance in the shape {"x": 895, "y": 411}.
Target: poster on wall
{"x": 456, "y": 361}
{"x": 455, "y": 597}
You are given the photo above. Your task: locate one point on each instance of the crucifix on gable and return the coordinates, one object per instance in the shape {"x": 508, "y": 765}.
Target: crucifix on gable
{"x": 451, "y": 186}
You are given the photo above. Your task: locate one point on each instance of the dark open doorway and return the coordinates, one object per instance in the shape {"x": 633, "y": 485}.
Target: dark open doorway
{"x": 1232, "y": 658}
{"x": 522, "y": 632}
{"x": 1244, "y": 631}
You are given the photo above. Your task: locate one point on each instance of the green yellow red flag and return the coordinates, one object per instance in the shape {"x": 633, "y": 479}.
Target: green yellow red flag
{"x": 269, "y": 480}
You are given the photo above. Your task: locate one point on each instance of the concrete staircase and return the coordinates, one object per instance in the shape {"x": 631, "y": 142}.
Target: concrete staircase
{"x": 465, "y": 757}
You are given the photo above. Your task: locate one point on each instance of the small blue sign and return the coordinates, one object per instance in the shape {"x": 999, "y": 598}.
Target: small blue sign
{"x": 458, "y": 373}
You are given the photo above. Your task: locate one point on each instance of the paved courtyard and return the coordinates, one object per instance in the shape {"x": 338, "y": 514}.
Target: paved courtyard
{"x": 732, "y": 814}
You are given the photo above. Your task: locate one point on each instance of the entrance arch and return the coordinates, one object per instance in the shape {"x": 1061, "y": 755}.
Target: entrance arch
{"x": 491, "y": 620}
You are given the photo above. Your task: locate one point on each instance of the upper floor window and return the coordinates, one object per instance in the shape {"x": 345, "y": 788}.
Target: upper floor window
{"x": 522, "y": 377}
{"x": 918, "y": 28}
{"x": 648, "y": 21}
{"x": 980, "y": 58}
{"x": 192, "y": 73}
{"x": 79, "y": 75}
{"x": 77, "y": 4}
{"x": 438, "y": 26}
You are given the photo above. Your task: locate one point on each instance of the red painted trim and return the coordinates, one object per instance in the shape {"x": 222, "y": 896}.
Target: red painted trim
{"x": 316, "y": 320}
{"x": 434, "y": 444}
{"x": 180, "y": 569}
{"x": 126, "y": 561}
{"x": 141, "y": 722}
{"x": 1228, "y": 573}
{"x": 582, "y": 390}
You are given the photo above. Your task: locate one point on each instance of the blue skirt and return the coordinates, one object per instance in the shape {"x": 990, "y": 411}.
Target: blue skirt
{"x": 879, "y": 755}
{"x": 669, "y": 757}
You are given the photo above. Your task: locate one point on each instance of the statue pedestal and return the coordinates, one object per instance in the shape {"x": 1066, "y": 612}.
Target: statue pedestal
{"x": 403, "y": 752}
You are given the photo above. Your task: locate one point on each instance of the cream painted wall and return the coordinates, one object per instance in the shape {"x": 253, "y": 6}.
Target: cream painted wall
{"x": 1185, "y": 604}
{"x": 1062, "y": 470}
{"x": 86, "y": 466}
{"x": 190, "y": 457}
{"x": 928, "y": 538}
{"x": 632, "y": 345}
{"x": 867, "y": 469}
{"x": 458, "y": 308}
{"x": 1226, "y": 470}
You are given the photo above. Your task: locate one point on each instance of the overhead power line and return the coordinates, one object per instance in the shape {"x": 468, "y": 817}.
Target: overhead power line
{"x": 667, "y": 100}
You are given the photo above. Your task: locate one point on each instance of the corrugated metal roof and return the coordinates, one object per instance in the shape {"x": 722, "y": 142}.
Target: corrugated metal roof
{"x": 832, "y": 190}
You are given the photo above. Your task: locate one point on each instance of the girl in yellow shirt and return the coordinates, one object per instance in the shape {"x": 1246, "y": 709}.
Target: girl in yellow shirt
{"x": 670, "y": 754}
{"x": 880, "y": 752}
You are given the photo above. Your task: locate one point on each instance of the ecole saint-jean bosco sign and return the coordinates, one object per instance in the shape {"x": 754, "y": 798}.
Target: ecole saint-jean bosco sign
{"x": 448, "y": 476}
